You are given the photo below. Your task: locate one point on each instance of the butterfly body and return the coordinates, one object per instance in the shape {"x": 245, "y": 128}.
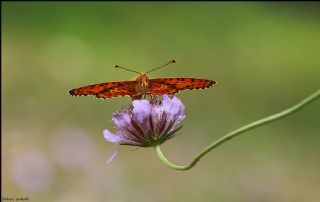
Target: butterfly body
{"x": 142, "y": 85}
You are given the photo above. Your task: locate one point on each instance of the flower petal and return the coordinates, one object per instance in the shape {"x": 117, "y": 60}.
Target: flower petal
{"x": 173, "y": 108}
{"x": 121, "y": 120}
{"x": 156, "y": 115}
{"x": 114, "y": 155}
{"x": 110, "y": 136}
{"x": 141, "y": 110}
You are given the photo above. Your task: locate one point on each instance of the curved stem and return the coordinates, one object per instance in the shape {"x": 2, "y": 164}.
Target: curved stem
{"x": 238, "y": 131}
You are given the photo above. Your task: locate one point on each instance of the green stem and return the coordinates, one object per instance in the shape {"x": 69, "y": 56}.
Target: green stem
{"x": 239, "y": 131}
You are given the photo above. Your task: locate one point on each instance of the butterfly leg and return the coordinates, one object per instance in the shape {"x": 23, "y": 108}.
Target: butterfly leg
{"x": 136, "y": 97}
{"x": 144, "y": 96}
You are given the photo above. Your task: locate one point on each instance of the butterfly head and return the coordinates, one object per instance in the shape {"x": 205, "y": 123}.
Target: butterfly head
{"x": 143, "y": 80}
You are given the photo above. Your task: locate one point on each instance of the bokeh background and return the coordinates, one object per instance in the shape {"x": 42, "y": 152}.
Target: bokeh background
{"x": 264, "y": 56}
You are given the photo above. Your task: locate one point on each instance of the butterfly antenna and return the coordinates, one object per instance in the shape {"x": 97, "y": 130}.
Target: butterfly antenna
{"x": 117, "y": 66}
{"x": 172, "y": 61}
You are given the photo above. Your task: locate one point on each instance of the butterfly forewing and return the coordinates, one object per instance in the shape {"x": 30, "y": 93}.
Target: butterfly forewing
{"x": 174, "y": 85}
{"x": 136, "y": 90}
{"x": 107, "y": 90}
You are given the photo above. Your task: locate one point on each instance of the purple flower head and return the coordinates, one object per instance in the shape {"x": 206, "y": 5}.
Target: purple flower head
{"x": 146, "y": 123}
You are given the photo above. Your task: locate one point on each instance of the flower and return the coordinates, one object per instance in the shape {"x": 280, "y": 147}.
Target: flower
{"x": 146, "y": 123}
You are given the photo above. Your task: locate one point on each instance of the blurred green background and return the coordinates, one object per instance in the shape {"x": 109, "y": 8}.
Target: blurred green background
{"x": 264, "y": 56}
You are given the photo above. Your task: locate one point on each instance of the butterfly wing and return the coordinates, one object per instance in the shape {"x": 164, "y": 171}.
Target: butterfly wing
{"x": 161, "y": 86}
{"x": 107, "y": 90}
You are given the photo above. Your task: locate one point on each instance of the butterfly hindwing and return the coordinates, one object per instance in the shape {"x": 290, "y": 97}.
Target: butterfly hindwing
{"x": 157, "y": 88}
{"x": 106, "y": 90}
{"x": 174, "y": 85}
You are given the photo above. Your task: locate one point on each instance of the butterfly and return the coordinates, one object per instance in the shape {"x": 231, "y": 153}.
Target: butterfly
{"x": 142, "y": 86}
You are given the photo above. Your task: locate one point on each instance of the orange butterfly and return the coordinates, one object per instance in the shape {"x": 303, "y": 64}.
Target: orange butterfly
{"x": 141, "y": 86}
